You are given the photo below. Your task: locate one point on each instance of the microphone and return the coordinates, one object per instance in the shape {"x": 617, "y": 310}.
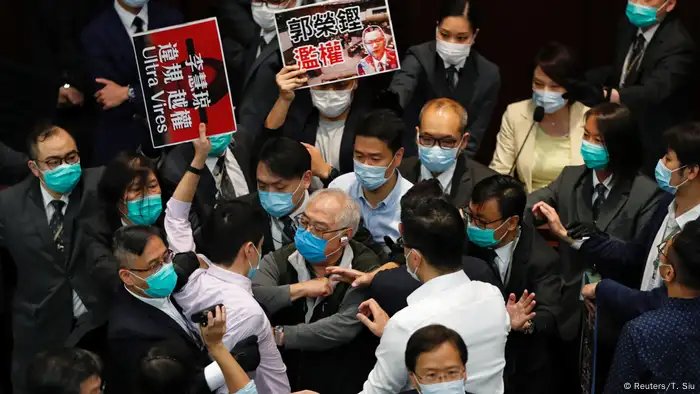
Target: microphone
{"x": 537, "y": 117}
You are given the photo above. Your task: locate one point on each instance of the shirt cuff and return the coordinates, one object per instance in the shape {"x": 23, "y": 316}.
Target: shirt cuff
{"x": 579, "y": 242}
{"x": 179, "y": 209}
{"x": 213, "y": 375}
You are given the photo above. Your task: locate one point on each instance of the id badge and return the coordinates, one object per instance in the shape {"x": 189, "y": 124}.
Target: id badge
{"x": 588, "y": 278}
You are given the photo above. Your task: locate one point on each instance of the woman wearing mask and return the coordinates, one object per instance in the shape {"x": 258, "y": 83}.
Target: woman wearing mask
{"x": 538, "y": 143}
{"x": 609, "y": 191}
{"x": 321, "y": 118}
{"x": 449, "y": 67}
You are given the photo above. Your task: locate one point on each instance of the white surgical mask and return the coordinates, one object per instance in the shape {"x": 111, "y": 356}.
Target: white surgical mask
{"x": 331, "y": 103}
{"x": 264, "y": 17}
{"x": 451, "y": 53}
{"x": 454, "y": 387}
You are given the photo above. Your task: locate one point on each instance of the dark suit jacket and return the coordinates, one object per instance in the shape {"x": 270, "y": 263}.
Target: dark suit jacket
{"x": 613, "y": 254}
{"x": 13, "y": 166}
{"x": 467, "y": 174}
{"x": 422, "y": 78}
{"x": 110, "y": 54}
{"x": 390, "y": 288}
{"x": 535, "y": 267}
{"x": 43, "y": 300}
{"x": 659, "y": 93}
{"x": 628, "y": 208}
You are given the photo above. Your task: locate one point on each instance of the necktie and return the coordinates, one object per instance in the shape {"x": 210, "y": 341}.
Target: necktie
{"x": 451, "y": 75}
{"x": 635, "y": 56}
{"x": 226, "y": 190}
{"x": 138, "y": 24}
{"x": 288, "y": 230}
{"x": 261, "y": 45}
{"x": 600, "y": 189}
{"x": 56, "y": 225}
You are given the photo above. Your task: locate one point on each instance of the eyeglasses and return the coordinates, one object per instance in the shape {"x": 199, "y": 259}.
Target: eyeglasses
{"x": 271, "y": 3}
{"x": 157, "y": 263}
{"x": 443, "y": 143}
{"x": 469, "y": 217}
{"x": 438, "y": 377}
{"x": 317, "y": 229}
{"x": 53, "y": 161}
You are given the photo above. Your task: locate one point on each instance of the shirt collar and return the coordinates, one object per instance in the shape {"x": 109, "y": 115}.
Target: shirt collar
{"x": 228, "y": 276}
{"x": 383, "y": 60}
{"x": 392, "y": 199}
{"x": 159, "y": 303}
{"x": 299, "y": 264}
{"x": 505, "y": 252}
{"x": 268, "y": 35}
{"x": 127, "y": 17}
{"x": 649, "y": 34}
{"x": 458, "y": 66}
{"x": 437, "y": 285}
{"x": 48, "y": 197}
{"x": 684, "y": 218}
{"x": 607, "y": 182}
{"x": 445, "y": 178}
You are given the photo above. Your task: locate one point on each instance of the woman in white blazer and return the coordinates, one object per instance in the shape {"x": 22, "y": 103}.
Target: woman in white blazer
{"x": 537, "y": 156}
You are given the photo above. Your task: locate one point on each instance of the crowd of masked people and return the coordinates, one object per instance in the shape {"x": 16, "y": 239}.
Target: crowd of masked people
{"x": 342, "y": 242}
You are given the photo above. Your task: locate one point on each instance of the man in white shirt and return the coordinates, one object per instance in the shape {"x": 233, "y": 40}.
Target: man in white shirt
{"x": 433, "y": 240}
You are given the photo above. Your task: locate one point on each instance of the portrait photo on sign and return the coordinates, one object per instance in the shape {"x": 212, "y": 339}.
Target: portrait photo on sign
{"x": 338, "y": 40}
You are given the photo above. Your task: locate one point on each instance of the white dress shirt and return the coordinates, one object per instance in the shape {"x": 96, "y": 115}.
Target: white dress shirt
{"x": 267, "y": 36}
{"x": 671, "y": 225}
{"x": 445, "y": 178}
{"x": 276, "y": 225}
{"x": 648, "y": 35}
{"x": 328, "y": 138}
{"x": 474, "y": 309}
{"x": 608, "y": 182}
{"x": 244, "y": 317}
{"x": 78, "y": 307}
{"x": 233, "y": 170}
{"x": 383, "y": 62}
{"x": 166, "y": 306}
{"x": 127, "y": 17}
{"x": 504, "y": 258}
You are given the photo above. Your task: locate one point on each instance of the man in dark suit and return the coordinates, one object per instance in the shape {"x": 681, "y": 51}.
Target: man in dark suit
{"x": 652, "y": 73}
{"x": 13, "y": 166}
{"x": 523, "y": 262}
{"x": 143, "y": 315}
{"x": 442, "y": 139}
{"x": 56, "y": 303}
{"x": 450, "y": 67}
{"x": 110, "y": 55}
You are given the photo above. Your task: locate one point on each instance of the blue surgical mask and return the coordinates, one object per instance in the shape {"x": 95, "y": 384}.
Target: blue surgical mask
{"x": 311, "y": 247}
{"x": 278, "y": 204}
{"x": 162, "y": 283}
{"x": 371, "y": 177}
{"x": 414, "y": 273}
{"x": 550, "y": 101}
{"x": 453, "y": 387}
{"x": 63, "y": 178}
{"x": 253, "y": 270}
{"x": 144, "y": 211}
{"x": 483, "y": 237}
{"x": 436, "y": 159}
{"x": 595, "y": 156}
{"x": 663, "y": 177}
{"x": 642, "y": 16}
{"x": 219, "y": 144}
{"x": 135, "y": 3}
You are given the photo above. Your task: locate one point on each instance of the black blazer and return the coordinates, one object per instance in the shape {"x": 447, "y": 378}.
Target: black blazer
{"x": 422, "y": 78}
{"x": 468, "y": 173}
{"x": 390, "y": 288}
{"x": 628, "y": 208}
{"x": 43, "y": 300}
{"x": 110, "y": 54}
{"x": 659, "y": 92}
{"x": 535, "y": 267}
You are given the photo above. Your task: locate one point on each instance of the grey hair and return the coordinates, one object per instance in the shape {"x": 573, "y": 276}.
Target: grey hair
{"x": 441, "y": 104}
{"x": 350, "y": 214}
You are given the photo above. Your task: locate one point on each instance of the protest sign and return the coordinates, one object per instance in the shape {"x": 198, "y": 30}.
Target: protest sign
{"x": 184, "y": 82}
{"x": 338, "y": 40}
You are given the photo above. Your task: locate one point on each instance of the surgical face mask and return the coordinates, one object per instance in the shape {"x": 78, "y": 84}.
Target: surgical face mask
{"x": 663, "y": 177}
{"x": 162, "y": 283}
{"x": 642, "y": 16}
{"x": 453, "y": 387}
{"x": 63, "y": 178}
{"x": 253, "y": 270}
{"x": 135, "y": 3}
{"x": 453, "y": 54}
{"x": 595, "y": 156}
{"x": 437, "y": 159}
{"x": 414, "y": 273}
{"x": 484, "y": 237}
{"x": 264, "y": 16}
{"x": 144, "y": 211}
{"x": 311, "y": 247}
{"x": 278, "y": 204}
{"x": 550, "y": 101}
{"x": 331, "y": 103}
{"x": 219, "y": 143}
{"x": 371, "y": 177}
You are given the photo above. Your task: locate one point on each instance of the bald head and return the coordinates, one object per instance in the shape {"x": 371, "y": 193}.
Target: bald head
{"x": 443, "y": 120}
{"x": 335, "y": 208}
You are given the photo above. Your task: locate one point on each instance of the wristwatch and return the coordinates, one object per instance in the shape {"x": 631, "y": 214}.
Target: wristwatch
{"x": 279, "y": 334}
{"x": 132, "y": 93}
{"x": 196, "y": 171}
{"x": 530, "y": 329}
